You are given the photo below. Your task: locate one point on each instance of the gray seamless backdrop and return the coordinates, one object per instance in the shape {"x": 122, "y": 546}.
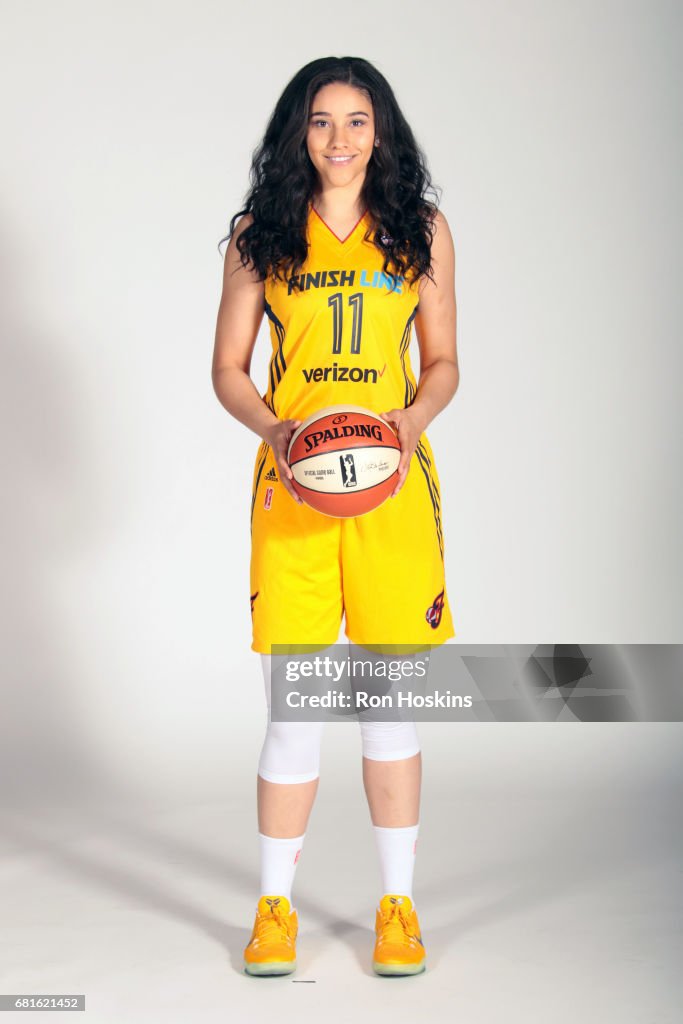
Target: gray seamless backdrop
{"x": 553, "y": 132}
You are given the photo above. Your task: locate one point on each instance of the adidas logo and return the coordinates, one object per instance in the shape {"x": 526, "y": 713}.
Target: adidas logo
{"x": 271, "y": 475}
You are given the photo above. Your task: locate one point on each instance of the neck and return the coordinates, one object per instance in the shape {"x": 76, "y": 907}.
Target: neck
{"x": 339, "y": 208}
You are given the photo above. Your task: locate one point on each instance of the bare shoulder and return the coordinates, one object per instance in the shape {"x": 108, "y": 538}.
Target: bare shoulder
{"x": 233, "y": 261}
{"x": 245, "y": 221}
{"x": 442, "y": 238}
{"x": 442, "y": 253}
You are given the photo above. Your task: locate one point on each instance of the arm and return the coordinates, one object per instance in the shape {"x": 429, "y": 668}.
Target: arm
{"x": 435, "y": 327}
{"x": 239, "y": 317}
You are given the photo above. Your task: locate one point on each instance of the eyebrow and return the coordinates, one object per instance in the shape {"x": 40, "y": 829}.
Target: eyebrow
{"x": 328, "y": 114}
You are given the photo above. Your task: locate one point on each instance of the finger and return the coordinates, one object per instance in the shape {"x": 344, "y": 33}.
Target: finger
{"x": 290, "y": 490}
{"x": 401, "y": 480}
{"x": 286, "y": 475}
{"x": 404, "y": 462}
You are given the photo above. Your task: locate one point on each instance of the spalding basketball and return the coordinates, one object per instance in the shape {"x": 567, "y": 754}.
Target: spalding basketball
{"x": 344, "y": 459}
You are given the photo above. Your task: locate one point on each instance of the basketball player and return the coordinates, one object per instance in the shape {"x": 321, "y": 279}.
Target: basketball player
{"x": 341, "y": 250}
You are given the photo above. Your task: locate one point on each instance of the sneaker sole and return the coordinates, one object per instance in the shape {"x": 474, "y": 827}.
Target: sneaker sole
{"x": 276, "y": 967}
{"x": 397, "y": 969}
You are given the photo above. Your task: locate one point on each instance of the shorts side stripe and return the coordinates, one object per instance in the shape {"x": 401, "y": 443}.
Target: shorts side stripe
{"x": 424, "y": 461}
{"x": 429, "y": 464}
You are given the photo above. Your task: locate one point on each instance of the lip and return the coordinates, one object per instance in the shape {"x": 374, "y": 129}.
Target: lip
{"x": 341, "y": 161}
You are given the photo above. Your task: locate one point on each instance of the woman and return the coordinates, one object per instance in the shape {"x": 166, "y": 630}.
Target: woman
{"x": 338, "y": 245}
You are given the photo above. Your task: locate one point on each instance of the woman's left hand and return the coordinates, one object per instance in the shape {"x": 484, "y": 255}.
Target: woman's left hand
{"x": 409, "y": 432}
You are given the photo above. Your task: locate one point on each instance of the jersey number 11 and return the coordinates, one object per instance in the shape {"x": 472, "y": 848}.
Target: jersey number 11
{"x": 356, "y": 302}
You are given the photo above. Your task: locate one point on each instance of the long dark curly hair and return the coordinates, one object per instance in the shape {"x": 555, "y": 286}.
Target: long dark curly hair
{"x": 283, "y": 179}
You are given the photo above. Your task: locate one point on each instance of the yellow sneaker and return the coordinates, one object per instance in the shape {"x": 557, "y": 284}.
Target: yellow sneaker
{"x": 271, "y": 948}
{"x": 399, "y": 948}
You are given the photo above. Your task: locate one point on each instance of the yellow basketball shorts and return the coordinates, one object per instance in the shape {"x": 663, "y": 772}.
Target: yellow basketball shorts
{"x": 384, "y": 571}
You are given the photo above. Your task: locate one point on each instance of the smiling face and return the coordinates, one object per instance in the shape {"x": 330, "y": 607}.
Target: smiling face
{"x": 341, "y": 135}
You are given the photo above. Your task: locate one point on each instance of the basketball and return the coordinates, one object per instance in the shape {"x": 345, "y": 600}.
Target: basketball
{"x": 344, "y": 459}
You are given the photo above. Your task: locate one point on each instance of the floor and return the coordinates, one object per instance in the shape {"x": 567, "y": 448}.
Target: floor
{"x": 539, "y": 898}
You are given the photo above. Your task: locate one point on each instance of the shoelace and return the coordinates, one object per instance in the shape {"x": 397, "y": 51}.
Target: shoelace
{"x": 267, "y": 922}
{"x": 395, "y": 919}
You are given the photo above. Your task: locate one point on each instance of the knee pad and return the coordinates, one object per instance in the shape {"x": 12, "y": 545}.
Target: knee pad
{"x": 389, "y": 741}
{"x": 291, "y": 750}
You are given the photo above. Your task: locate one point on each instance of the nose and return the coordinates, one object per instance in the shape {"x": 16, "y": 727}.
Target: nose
{"x": 338, "y": 137}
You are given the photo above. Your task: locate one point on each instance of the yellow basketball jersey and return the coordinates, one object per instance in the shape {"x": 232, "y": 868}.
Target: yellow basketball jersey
{"x": 344, "y": 335}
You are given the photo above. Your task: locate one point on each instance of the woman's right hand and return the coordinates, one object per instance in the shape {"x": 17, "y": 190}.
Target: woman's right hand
{"x": 278, "y": 437}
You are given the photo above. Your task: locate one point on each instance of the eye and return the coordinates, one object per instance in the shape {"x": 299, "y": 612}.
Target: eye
{"x": 314, "y": 123}
{"x": 361, "y": 123}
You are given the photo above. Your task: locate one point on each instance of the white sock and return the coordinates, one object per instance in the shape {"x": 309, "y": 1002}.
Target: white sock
{"x": 396, "y": 848}
{"x": 278, "y": 863}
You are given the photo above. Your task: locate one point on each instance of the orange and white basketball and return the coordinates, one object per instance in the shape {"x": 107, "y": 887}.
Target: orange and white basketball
{"x": 344, "y": 459}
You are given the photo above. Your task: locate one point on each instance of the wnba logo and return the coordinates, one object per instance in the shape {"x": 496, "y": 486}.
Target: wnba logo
{"x": 348, "y": 469}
